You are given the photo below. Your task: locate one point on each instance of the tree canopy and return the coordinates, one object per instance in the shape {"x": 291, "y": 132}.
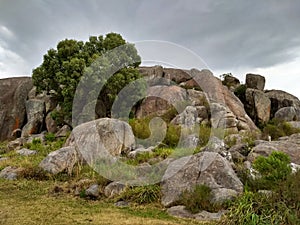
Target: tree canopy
{"x": 62, "y": 69}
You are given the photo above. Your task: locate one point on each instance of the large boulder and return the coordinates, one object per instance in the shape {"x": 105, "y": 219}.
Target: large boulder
{"x": 101, "y": 137}
{"x": 288, "y": 114}
{"x": 289, "y": 145}
{"x": 218, "y": 93}
{"x": 161, "y": 99}
{"x": 255, "y": 81}
{"x": 258, "y": 106}
{"x": 208, "y": 168}
{"x": 35, "y": 109}
{"x": 63, "y": 159}
{"x": 13, "y": 96}
{"x": 280, "y": 99}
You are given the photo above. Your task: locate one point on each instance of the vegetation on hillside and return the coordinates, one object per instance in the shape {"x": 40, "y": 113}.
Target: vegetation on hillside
{"x": 63, "y": 68}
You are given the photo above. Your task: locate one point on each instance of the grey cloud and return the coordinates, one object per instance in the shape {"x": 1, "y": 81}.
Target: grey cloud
{"x": 224, "y": 33}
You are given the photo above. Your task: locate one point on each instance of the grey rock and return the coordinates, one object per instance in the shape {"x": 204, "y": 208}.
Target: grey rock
{"x": 60, "y": 160}
{"x": 280, "y": 99}
{"x": 122, "y": 204}
{"x": 207, "y": 168}
{"x": 15, "y": 144}
{"x": 180, "y": 211}
{"x": 114, "y": 189}
{"x": 208, "y": 216}
{"x": 11, "y": 173}
{"x": 295, "y": 124}
{"x": 287, "y": 114}
{"x": 63, "y": 132}
{"x": 255, "y": 81}
{"x": 50, "y": 124}
{"x": 93, "y": 191}
{"x": 35, "y": 116}
{"x": 258, "y": 105}
{"x": 102, "y": 138}
{"x": 288, "y": 145}
{"x": 13, "y": 95}
{"x": 26, "y": 152}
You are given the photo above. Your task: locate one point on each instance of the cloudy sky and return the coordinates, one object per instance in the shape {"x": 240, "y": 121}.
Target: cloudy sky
{"x": 237, "y": 36}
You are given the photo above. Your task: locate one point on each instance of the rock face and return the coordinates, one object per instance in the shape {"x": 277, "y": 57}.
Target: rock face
{"x": 35, "y": 116}
{"x": 280, "y": 99}
{"x": 255, "y": 81}
{"x": 258, "y": 106}
{"x": 207, "y": 168}
{"x": 13, "y": 96}
{"x": 289, "y": 145}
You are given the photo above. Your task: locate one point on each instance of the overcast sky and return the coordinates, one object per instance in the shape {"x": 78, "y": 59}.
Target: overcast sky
{"x": 237, "y": 36}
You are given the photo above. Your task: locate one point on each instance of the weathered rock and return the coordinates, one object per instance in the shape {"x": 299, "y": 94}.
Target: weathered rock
{"x": 26, "y": 152}
{"x": 280, "y": 99}
{"x": 102, "y": 138}
{"x": 188, "y": 118}
{"x": 15, "y": 144}
{"x": 93, "y": 191}
{"x": 63, "y": 132}
{"x": 35, "y": 116}
{"x": 208, "y": 216}
{"x": 289, "y": 145}
{"x": 177, "y": 75}
{"x": 60, "y": 160}
{"x": 122, "y": 204}
{"x": 160, "y": 100}
{"x": 295, "y": 124}
{"x": 258, "y": 106}
{"x": 255, "y": 81}
{"x": 11, "y": 173}
{"x": 13, "y": 95}
{"x": 217, "y": 93}
{"x": 181, "y": 212}
{"x": 207, "y": 168}
{"x": 287, "y": 114}
{"x": 114, "y": 189}
{"x": 231, "y": 82}
{"x": 51, "y": 124}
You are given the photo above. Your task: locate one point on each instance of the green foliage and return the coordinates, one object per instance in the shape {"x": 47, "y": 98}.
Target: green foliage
{"x": 282, "y": 206}
{"x": 276, "y": 129}
{"x": 63, "y": 67}
{"x": 142, "y": 194}
{"x": 50, "y": 137}
{"x": 240, "y": 92}
{"x": 172, "y": 135}
{"x": 272, "y": 169}
{"x": 198, "y": 199}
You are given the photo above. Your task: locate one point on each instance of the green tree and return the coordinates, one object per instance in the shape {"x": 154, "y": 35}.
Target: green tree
{"x": 63, "y": 67}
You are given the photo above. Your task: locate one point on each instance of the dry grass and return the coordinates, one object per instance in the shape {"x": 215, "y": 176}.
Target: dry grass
{"x": 29, "y": 202}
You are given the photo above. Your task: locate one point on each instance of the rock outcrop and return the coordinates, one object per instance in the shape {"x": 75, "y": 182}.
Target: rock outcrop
{"x": 207, "y": 168}
{"x": 13, "y": 96}
{"x": 289, "y": 145}
{"x": 255, "y": 81}
{"x": 280, "y": 99}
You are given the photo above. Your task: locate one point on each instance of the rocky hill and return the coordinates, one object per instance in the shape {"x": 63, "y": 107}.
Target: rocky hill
{"x": 185, "y": 98}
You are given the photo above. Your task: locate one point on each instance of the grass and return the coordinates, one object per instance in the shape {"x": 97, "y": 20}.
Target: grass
{"x": 31, "y": 202}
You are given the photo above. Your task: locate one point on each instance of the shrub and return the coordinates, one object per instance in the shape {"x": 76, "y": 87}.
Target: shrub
{"x": 50, "y": 137}
{"x": 276, "y": 129}
{"x": 282, "y": 206}
{"x": 198, "y": 199}
{"x": 240, "y": 92}
{"x": 272, "y": 169}
{"x": 142, "y": 194}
